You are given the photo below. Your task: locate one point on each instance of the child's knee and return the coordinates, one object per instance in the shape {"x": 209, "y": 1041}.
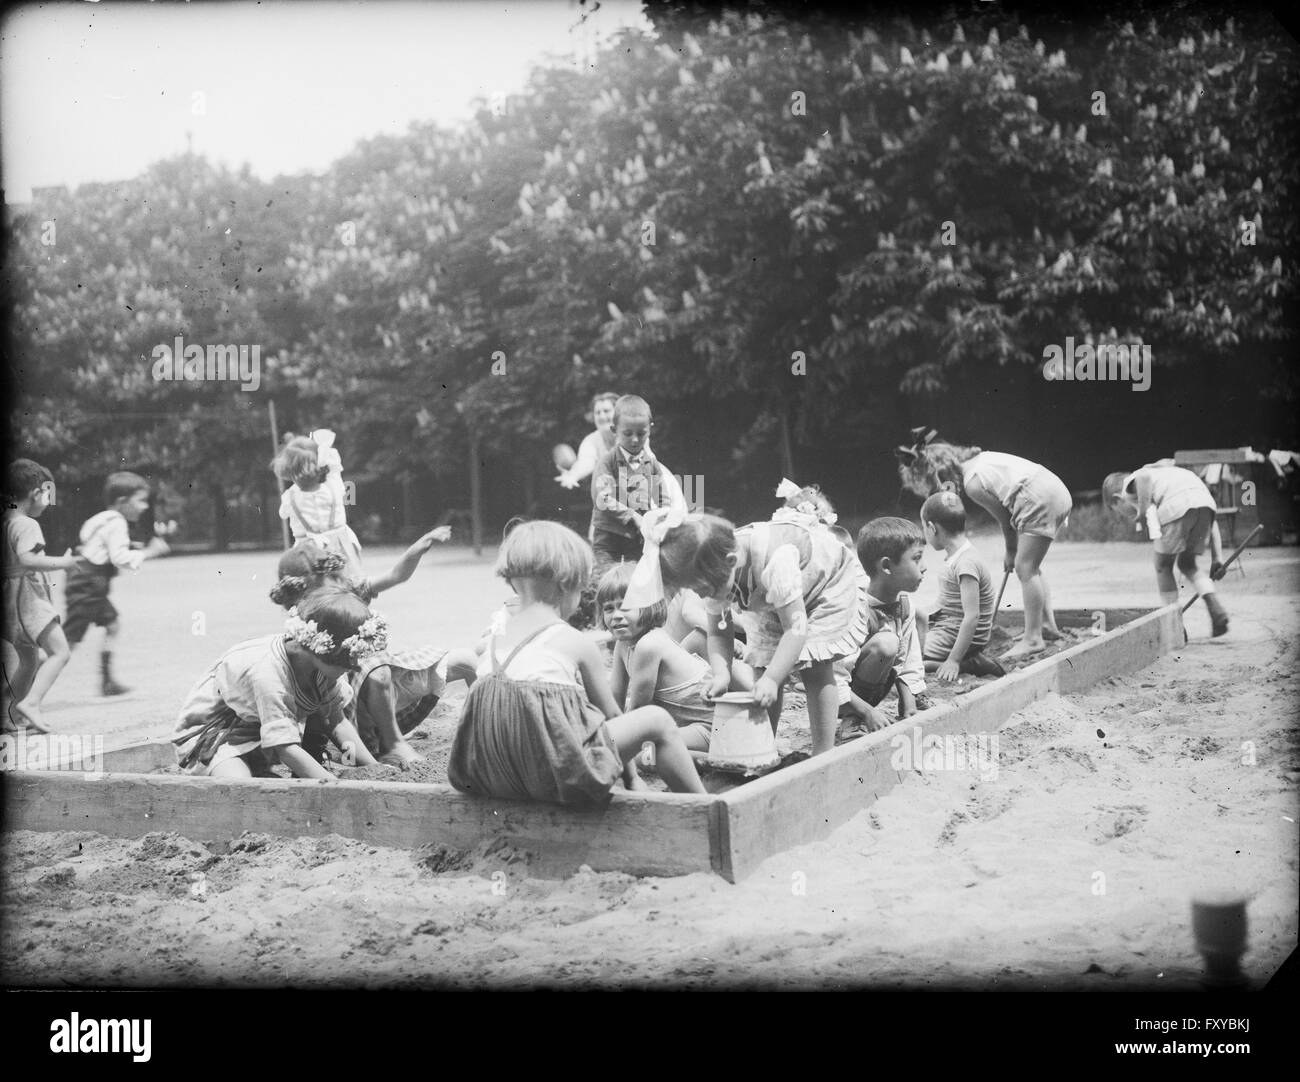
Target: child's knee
{"x": 881, "y": 646}
{"x": 1187, "y": 563}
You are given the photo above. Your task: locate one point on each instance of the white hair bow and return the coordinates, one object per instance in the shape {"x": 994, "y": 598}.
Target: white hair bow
{"x": 326, "y": 455}
{"x": 647, "y": 585}
{"x": 787, "y": 488}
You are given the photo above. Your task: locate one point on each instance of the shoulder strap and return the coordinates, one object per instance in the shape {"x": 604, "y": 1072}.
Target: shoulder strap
{"x": 522, "y": 643}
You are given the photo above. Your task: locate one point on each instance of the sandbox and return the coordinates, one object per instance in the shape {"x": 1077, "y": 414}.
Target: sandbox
{"x": 729, "y": 832}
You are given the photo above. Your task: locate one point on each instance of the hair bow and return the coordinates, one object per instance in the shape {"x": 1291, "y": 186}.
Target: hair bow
{"x": 647, "y": 584}
{"x": 326, "y": 456}
{"x": 787, "y": 488}
{"x": 920, "y": 438}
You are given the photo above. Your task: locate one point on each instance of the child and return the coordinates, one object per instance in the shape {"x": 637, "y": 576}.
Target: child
{"x": 594, "y": 444}
{"x": 393, "y": 691}
{"x": 1179, "y": 512}
{"x": 252, "y": 707}
{"x": 651, "y": 667}
{"x": 804, "y": 504}
{"x": 530, "y": 730}
{"x": 31, "y": 622}
{"x": 808, "y": 593}
{"x": 959, "y": 631}
{"x": 105, "y": 544}
{"x": 314, "y": 503}
{"x": 891, "y": 550}
{"x": 1029, "y": 502}
{"x": 628, "y": 481}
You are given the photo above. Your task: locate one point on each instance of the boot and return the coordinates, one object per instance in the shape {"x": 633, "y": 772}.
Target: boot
{"x": 1218, "y": 618}
{"x": 107, "y": 685}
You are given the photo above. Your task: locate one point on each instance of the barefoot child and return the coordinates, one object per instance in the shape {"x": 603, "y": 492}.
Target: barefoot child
{"x": 1179, "y": 511}
{"x": 959, "y": 631}
{"x": 31, "y": 622}
{"x": 540, "y": 722}
{"x": 1028, "y": 501}
{"x": 105, "y": 546}
{"x": 251, "y": 708}
{"x": 393, "y": 691}
{"x": 650, "y": 667}
{"x": 314, "y": 503}
{"x": 808, "y": 593}
{"x": 890, "y": 550}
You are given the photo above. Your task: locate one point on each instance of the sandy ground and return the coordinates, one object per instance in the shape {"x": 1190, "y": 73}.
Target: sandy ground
{"x": 1072, "y": 868}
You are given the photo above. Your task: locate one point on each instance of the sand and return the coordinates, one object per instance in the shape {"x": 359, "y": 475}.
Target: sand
{"x": 1072, "y": 868}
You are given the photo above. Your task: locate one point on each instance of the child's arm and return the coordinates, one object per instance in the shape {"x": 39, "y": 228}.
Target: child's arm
{"x": 117, "y": 539}
{"x": 1216, "y": 550}
{"x": 583, "y": 467}
{"x": 592, "y": 671}
{"x": 301, "y": 764}
{"x": 976, "y": 491}
{"x": 38, "y": 561}
{"x": 721, "y": 635}
{"x": 970, "y": 618}
{"x": 1146, "y": 510}
{"x": 618, "y": 674}
{"x": 643, "y": 677}
{"x": 794, "y": 634}
{"x": 410, "y": 560}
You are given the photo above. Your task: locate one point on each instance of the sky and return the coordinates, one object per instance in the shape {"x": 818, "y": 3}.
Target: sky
{"x": 98, "y": 92}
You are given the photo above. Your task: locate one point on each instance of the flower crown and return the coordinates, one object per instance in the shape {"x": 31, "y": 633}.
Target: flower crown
{"x": 788, "y": 489}
{"x": 371, "y": 637}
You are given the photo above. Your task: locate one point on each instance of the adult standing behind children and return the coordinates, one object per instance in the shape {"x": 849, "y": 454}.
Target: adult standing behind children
{"x": 105, "y": 543}
{"x": 1028, "y": 501}
{"x": 594, "y": 444}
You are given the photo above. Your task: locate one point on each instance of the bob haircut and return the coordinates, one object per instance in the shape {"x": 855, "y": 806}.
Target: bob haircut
{"x": 547, "y": 553}
{"x": 122, "y": 486}
{"x": 613, "y": 587}
{"x": 338, "y": 610}
{"x": 298, "y": 459}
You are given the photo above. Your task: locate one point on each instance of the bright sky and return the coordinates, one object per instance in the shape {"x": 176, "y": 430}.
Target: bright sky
{"x": 97, "y": 92}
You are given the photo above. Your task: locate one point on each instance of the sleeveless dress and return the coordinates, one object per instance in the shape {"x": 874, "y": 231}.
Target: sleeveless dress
{"x": 320, "y": 516}
{"x": 790, "y": 560}
{"x": 533, "y": 736}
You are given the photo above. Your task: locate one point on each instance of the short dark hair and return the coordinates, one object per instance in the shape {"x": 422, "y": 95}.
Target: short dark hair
{"x": 698, "y": 553}
{"x": 22, "y": 477}
{"x": 613, "y": 587}
{"x": 945, "y": 510}
{"x": 122, "y": 485}
{"x": 886, "y": 537}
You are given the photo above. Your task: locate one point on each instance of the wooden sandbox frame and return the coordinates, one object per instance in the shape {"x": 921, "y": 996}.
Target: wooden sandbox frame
{"x": 728, "y": 833}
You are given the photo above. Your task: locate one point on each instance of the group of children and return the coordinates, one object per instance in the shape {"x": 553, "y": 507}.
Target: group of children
{"x": 549, "y": 716}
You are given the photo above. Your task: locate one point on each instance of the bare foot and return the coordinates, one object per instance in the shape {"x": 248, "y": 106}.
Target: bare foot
{"x": 1025, "y": 648}
{"x": 401, "y": 755}
{"x": 31, "y": 714}
{"x": 634, "y": 782}
{"x": 1052, "y": 634}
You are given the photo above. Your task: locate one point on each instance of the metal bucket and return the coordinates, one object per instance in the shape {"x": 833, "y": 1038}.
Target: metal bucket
{"x": 742, "y": 734}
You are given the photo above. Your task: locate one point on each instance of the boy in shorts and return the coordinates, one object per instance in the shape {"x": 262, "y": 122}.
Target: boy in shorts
{"x": 105, "y": 546}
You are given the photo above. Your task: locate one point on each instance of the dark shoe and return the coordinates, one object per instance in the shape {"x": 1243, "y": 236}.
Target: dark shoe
{"x": 923, "y": 702}
{"x": 109, "y": 686}
{"x": 979, "y": 664}
{"x": 1218, "y": 618}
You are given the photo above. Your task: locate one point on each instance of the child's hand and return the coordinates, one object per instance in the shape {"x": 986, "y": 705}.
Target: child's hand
{"x": 70, "y": 561}
{"x": 717, "y": 686}
{"x": 1217, "y": 571}
{"x": 567, "y": 480}
{"x": 439, "y": 533}
{"x": 765, "y": 691}
{"x": 949, "y": 672}
{"x": 157, "y": 547}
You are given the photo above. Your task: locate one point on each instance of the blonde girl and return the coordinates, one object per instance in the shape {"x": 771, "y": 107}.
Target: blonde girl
{"x": 314, "y": 503}
{"x": 541, "y": 722}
